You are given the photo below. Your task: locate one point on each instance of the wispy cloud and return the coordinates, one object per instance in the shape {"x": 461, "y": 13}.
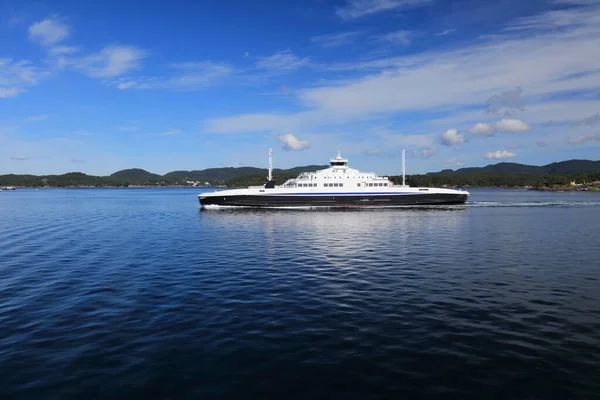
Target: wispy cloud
{"x": 19, "y": 158}
{"x": 171, "y": 132}
{"x": 76, "y": 161}
{"x": 62, "y": 50}
{"x": 584, "y": 139}
{"x": 49, "y": 31}
{"x": 37, "y": 118}
{"x": 282, "y": 61}
{"x": 128, "y": 128}
{"x": 360, "y": 8}
{"x": 422, "y": 152}
{"x": 454, "y": 163}
{"x": 452, "y": 137}
{"x": 547, "y": 64}
{"x": 292, "y": 143}
{"x": 590, "y": 121}
{"x": 372, "y": 152}
{"x": 17, "y": 76}
{"x": 110, "y": 62}
{"x": 183, "y": 76}
{"x": 500, "y": 155}
{"x": 400, "y": 37}
{"x": 506, "y": 103}
{"x": 446, "y": 32}
{"x": 540, "y": 143}
{"x": 336, "y": 39}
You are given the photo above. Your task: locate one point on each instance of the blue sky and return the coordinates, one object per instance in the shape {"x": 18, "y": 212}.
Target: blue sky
{"x": 101, "y": 86}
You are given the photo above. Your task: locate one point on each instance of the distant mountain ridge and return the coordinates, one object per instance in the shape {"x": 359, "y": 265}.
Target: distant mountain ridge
{"x": 208, "y": 175}
{"x": 557, "y": 168}
{"x": 501, "y": 174}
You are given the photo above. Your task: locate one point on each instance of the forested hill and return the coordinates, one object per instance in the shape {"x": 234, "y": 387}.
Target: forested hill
{"x": 141, "y": 177}
{"x": 557, "y": 168}
{"x": 501, "y": 174}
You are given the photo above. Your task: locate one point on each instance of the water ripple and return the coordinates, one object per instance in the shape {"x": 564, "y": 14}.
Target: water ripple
{"x": 139, "y": 294}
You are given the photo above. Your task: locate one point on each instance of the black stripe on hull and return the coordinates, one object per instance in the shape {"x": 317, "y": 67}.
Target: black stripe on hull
{"x": 335, "y": 201}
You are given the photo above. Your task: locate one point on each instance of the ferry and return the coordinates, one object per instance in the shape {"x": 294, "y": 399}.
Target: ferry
{"x": 8, "y": 188}
{"x": 336, "y": 186}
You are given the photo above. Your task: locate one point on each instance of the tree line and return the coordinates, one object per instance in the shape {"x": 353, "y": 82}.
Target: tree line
{"x": 441, "y": 179}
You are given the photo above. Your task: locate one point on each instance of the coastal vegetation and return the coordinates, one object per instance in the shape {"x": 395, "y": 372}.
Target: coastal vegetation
{"x": 566, "y": 175}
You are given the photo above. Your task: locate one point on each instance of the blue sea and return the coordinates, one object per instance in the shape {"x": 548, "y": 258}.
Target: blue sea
{"x": 139, "y": 294}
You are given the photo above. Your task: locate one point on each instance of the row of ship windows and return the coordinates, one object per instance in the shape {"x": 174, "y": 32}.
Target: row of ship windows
{"x": 376, "y": 184}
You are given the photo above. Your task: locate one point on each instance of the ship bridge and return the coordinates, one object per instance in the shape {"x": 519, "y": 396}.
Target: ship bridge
{"x": 338, "y": 161}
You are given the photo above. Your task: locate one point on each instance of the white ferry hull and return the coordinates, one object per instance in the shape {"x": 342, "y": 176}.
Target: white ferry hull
{"x": 383, "y": 199}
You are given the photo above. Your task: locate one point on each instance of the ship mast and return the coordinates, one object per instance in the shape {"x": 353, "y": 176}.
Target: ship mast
{"x": 403, "y": 167}
{"x": 270, "y": 164}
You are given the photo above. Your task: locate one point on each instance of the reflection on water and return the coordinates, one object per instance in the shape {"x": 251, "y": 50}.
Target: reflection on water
{"x": 137, "y": 293}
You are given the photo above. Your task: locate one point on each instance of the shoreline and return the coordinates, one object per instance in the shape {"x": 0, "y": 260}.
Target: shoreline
{"x": 541, "y": 189}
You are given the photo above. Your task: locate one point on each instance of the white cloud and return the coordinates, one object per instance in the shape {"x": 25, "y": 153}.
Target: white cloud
{"x": 451, "y": 138}
{"x": 590, "y": 121}
{"x": 184, "y": 76}
{"x": 584, "y": 139}
{"x": 373, "y": 152}
{"x": 505, "y": 125}
{"x": 37, "y": 117}
{"x": 19, "y": 158}
{"x": 401, "y": 37}
{"x": 454, "y": 163}
{"x": 482, "y": 129}
{"x": 335, "y": 39}
{"x": 500, "y": 155}
{"x": 359, "y": 8}
{"x": 446, "y": 32}
{"x": 49, "y": 31}
{"x": 110, "y": 62}
{"x": 291, "y": 143}
{"x": 512, "y": 126}
{"x": 282, "y": 61}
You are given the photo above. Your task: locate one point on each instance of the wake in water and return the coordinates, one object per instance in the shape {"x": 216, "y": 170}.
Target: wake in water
{"x": 534, "y": 204}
